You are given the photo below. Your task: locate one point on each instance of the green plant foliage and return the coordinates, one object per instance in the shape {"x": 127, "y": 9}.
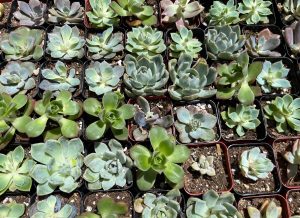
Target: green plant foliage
{"x": 2, "y": 9}
{"x": 291, "y": 34}
{"x": 255, "y": 11}
{"x": 204, "y": 165}
{"x": 290, "y": 10}
{"x": 268, "y": 209}
{"x": 12, "y": 210}
{"x": 293, "y": 158}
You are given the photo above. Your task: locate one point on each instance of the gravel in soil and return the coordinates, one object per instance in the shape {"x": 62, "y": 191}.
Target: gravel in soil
{"x": 294, "y": 202}
{"x": 21, "y": 199}
{"x": 7, "y": 6}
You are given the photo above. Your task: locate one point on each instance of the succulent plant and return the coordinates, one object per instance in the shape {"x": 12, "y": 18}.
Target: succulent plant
{"x": 191, "y": 82}
{"x": 293, "y": 158}
{"x": 145, "y": 75}
{"x": 285, "y": 112}
{"x": 103, "y": 77}
{"x": 105, "y": 45}
{"x": 292, "y": 37}
{"x": 255, "y": 11}
{"x": 52, "y": 206}
{"x": 241, "y": 117}
{"x": 267, "y": 210}
{"x": 12, "y": 210}
{"x": 2, "y": 10}
{"x": 108, "y": 167}
{"x": 145, "y": 41}
{"x": 165, "y": 158}
{"x": 146, "y": 117}
{"x": 63, "y": 11}
{"x": 290, "y": 10}
{"x": 65, "y": 43}
{"x": 225, "y": 42}
{"x": 195, "y": 125}
{"x": 204, "y": 165}
{"x": 212, "y": 205}
{"x": 237, "y": 79}
{"x": 180, "y": 11}
{"x": 17, "y": 77}
{"x": 14, "y": 171}
{"x": 63, "y": 111}
{"x": 141, "y": 13}
{"x": 101, "y": 14}
{"x": 61, "y": 77}
{"x": 223, "y": 14}
{"x": 263, "y": 43}
{"x": 59, "y": 165}
{"x": 22, "y": 44}
{"x": 255, "y": 165}
{"x": 31, "y": 13}
{"x": 14, "y": 115}
{"x": 111, "y": 113}
{"x": 183, "y": 42}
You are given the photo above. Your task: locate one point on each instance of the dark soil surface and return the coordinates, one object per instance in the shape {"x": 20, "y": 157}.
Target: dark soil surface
{"x": 294, "y": 202}
{"x": 4, "y": 19}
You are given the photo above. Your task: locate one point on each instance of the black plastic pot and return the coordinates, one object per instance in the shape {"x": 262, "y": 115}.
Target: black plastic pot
{"x": 290, "y": 192}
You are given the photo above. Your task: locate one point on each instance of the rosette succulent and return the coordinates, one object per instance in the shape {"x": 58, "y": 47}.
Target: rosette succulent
{"x": 65, "y": 43}
{"x": 290, "y": 10}
{"x": 59, "y": 165}
{"x": 23, "y": 44}
{"x": 194, "y": 125}
{"x": 183, "y": 42}
{"x": 145, "y": 75}
{"x": 204, "y": 165}
{"x": 103, "y": 77}
{"x": 63, "y": 11}
{"x": 31, "y": 13}
{"x": 224, "y": 42}
{"x": 292, "y": 37}
{"x": 268, "y": 209}
{"x": 12, "y": 210}
{"x": 293, "y": 158}
{"x": 17, "y": 77}
{"x": 255, "y": 165}
{"x": 108, "y": 167}
{"x": 191, "y": 82}
{"x": 105, "y": 45}
{"x": 145, "y": 41}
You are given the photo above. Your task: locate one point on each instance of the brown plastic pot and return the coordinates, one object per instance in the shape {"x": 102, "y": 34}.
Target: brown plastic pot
{"x": 287, "y": 200}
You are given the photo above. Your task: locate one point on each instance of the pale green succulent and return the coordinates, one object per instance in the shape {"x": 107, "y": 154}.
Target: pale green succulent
{"x": 65, "y": 43}
{"x": 103, "y": 77}
{"x": 255, "y": 165}
{"x": 290, "y": 10}
{"x": 191, "y": 82}
{"x": 268, "y": 209}
{"x": 59, "y": 165}
{"x": 17, "y": 77}
{"x": 241, "y": 117}
{"x": 224, "y": 42}
{"x": 193, "y": 125}
{"x": 105, "y": 45}
{"x": 15, "y": 46}
{"x": 108, "y": 167}
{"x": 145, "y": 75}
{"x": 145, "y": 41}
{"x": 12, "y": 210}
{"x": 293, "y": 157}
{"x": 204, "y": 165}
{"x": 14, "y": 171}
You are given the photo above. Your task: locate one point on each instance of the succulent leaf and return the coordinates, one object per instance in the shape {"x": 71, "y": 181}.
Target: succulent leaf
{"x": 255, "y": 11}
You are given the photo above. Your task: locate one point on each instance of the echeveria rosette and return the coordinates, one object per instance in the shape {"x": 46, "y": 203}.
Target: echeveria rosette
{"x": 58, "y": 165}
{"x": 14, "y": 171}
{"x": 12, "y": 209}
{"x": 268, "y": 209}
{"x": 292, "y": 37}
{"x": 164, "y": 159}
{"x": 293, "y": 159}
{"x": 290, "y": 10}
{"x": 112, "y": 114}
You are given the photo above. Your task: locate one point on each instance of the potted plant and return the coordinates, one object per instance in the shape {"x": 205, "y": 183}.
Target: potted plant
{"x": 15, "y": 205}
{"x": 292, "y": 197}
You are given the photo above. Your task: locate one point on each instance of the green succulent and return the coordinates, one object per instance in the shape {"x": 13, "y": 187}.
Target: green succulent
{"x": 63, "y": 11}
{"x": 14, "y": 171}
{"x": 195, "y": 125}
{"x": 61, "y": 110}
{"x": 61, "y": 77}
{"x": 2, "y": 10}
{"x": 59, "y": 165}
{"x": 293, "y": 158}
{"x": 267, "y": 210}
{"x": 224, "y": 42}
{"x": 285, "y": 111}
{"x": 65, "y": 43}
{"x": 103, "y": 77}
{"x": 12, "y": 210}
{"x": 145, "y": 75}
{"x": 213, "y": 205}
{"x": 108, "y": 167}
{"x": 145, "y": 41}
{"x": 241, "y": 118}
{"x": 105, "y": 45}
{"x": 290, "y": 10}
{"x": 237, "y": 80}
{"x": 165, "y": 158}
{"x": 255, "y": 165}
{"x": 204, "y": 165}
{"x": 191, "y": 82}
{"x": 15, "y": 44}
{"x": 111, "y": 113}
{"x": 141, "y": 13}
{"x": 52, "y": 207}
{"x": 255, "y": 11}
{"x": 183, "y": 42}
{"x": 17, "y": 77}
{"x": 291, "y": 34}
{"x": 273, "y": 76}
{"x": 223, "y": 14}
{"x": 101, "y": 14}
